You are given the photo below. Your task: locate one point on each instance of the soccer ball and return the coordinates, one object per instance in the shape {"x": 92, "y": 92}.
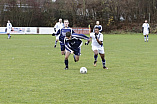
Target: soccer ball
{"x": 83, "y": 70}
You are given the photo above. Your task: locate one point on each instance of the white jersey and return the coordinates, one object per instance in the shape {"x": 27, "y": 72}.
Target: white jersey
{"x": 95, "y": 44}
{"x": 94, "y": 41}
{"x": 145, "y": 27}
{"x": 9, "y": 26}
{"x": 59, "y": 26}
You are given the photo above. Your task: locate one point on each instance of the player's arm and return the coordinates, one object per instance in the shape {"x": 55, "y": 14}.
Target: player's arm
{"x": 100, "y": 28}
{"x": 149, "y": 29}
{"x": 142, "y": 29}
{"x": 55, "y": 27}
{"x": 94, "y": 28}
{"x": 82, "y": 36}
{"x": 99, "y": 41}
{"x": 88, "y": 41}
{"x": 58, "y": 32}
{"x": 73, "y": 31}
{"x": 66, "y": 46}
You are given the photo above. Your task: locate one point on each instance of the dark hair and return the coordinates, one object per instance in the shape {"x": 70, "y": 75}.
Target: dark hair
{"x": 96, "y": 28}
{"x": 68, "y": 34}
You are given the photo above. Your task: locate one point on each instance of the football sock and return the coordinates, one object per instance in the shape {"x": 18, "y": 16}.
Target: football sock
{"x": 66, "y": 63}
{"x": 8, "y": 35}
{"x": 55, "y": 42}
{"x": 147, "y": 37}
{"x": 144, "y": 38}
{"x": 103, "y": 62}
{"x": 95, "y": 57}
{"x": 74, "y": 58}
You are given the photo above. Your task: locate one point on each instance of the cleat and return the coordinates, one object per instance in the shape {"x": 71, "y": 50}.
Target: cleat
{"x": 10, "y": 37}
{"x": 95, "y": 63}
{"x": 66, "y": 68}
{"x": 147, "y": 40}
{"x": 104, "y": 67}
{"x": 54, "y": 46}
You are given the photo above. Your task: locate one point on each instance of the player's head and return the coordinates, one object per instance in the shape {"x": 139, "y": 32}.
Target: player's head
{"x": 66, "y": 23}
{"x": 146, "y": 21}
{"x": 97, "y": 22}
{"x": 68, "y": 35}
{"x": 96, "y": 30}
{"x": 8, "y": 21}
{"x": 60, "y": 20}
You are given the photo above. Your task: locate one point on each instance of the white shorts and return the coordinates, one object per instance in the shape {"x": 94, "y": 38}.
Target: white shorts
{"x": 145, "y": 32}
{"x": 8, "y": 31}
{"x": 57, "y": 37}
{"x": 99, "y": 49}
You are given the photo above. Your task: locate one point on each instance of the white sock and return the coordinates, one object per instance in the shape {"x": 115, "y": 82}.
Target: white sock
{"x": 144, "y": 38}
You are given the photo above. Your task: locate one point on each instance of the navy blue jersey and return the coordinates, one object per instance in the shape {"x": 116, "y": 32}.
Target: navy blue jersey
{"x": 63, "y": 32}
{"x": 75, "y": 42}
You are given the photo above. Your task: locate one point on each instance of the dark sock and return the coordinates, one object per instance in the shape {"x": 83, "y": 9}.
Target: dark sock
{"x": 66, "y": 63}
{"x": 95, "y": 57}
{"x": 74, "y": 58}
{"x": 103, "y": 62}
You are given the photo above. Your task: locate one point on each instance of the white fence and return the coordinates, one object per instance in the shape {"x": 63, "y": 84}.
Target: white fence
{"x": 28, "y": 30}
{"x": 40, "y": 30}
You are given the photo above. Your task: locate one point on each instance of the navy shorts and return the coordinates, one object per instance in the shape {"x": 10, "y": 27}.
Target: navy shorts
{"x": 61, "y": 39}
{"x": 77, "y": 51}
{"x": 62, "y": 47}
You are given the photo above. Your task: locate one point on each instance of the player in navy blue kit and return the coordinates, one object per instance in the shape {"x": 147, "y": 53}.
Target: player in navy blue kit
{"x": 73, "y": 45}
{"x": 62, "y": 32}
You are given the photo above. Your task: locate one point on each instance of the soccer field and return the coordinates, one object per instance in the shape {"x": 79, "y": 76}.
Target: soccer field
{"x": 32, "y": 71}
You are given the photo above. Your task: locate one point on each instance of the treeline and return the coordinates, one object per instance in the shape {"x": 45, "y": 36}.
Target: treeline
{"x": 112, "y": 14}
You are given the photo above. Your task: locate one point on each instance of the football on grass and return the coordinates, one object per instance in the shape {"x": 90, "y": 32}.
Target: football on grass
{"x": 83, "y": 70}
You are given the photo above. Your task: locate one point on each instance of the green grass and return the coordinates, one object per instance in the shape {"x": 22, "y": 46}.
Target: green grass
{"x": 32, "y": 71}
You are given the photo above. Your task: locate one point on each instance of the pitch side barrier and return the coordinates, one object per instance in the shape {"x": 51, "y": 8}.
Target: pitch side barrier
{"x": 40, "y": 30}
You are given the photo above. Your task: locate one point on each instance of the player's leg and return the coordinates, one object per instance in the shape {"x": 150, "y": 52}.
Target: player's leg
{"x": 57, "y": 38}
{"x": 77, "y": 53}
{"x": 95, "y": 56}
{"x": 62, "y": 49}
{"x": 102, "y": 54}
{"x": 147, "y": 37}
{"x": 76, "y": 58}
{"x": 67, "y": 54}
{"x": 8, "y": 35}
{"x": 103, "y": 60}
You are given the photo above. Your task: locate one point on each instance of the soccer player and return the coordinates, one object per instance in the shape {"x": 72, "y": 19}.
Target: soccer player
{"x": 97, "y": 46}
{"x": 99, "y": 26}
{"x": 58, "y": 25}
{"x": 146, "y": 30}
{"x": 9, "y": 28}
{"x": 62, "y": 33}
{"x": 73, "y": 46}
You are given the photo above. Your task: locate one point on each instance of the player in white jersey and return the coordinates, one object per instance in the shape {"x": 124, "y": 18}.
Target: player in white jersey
{"x": 97, "y": 46}
{"x": 9, "y": 28}
{"x": 59, "y": 25}
{"x": 146, "y": 30}
{"x": 98, "y": 25}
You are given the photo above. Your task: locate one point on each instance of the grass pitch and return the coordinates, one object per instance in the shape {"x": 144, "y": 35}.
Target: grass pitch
{"x": 32, "y": 71}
